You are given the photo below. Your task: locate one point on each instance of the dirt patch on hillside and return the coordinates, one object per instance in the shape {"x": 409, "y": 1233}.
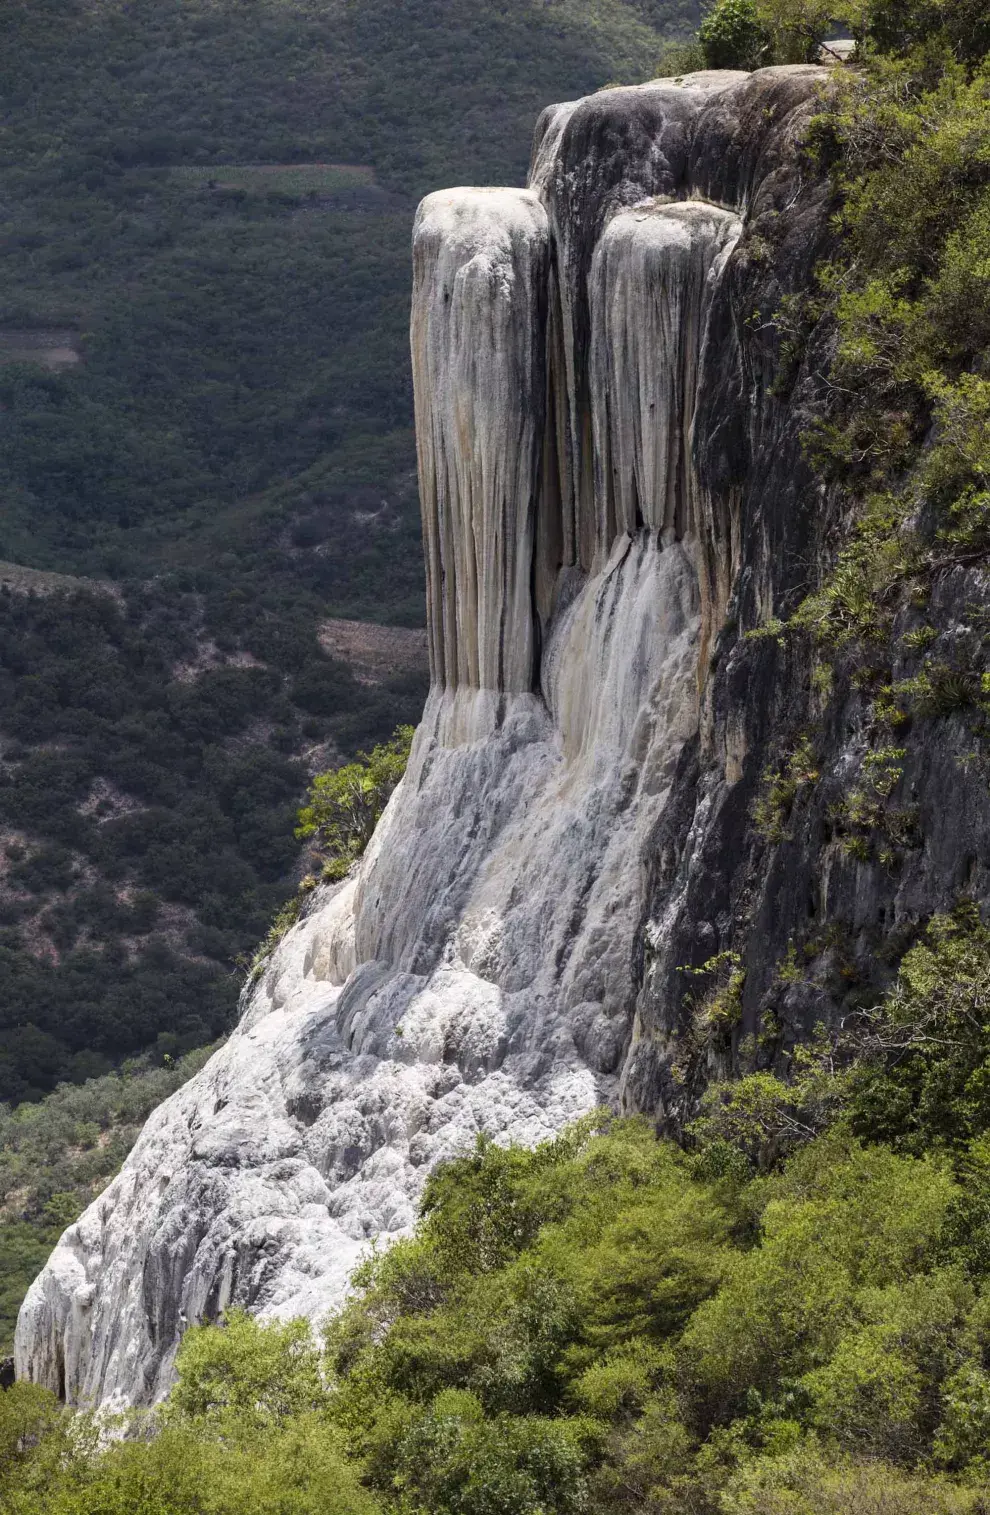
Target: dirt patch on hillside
{"x": 105, "y": 802}
{"x": 37, "y": 581}
{"x": 52, "y": 347}
{"x": 209, "y": 656}
{"x": 375, "y": 653}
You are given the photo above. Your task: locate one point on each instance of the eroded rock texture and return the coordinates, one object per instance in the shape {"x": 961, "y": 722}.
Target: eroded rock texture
{"x": 610, "y": 489}
{"x": 479, "y": 376}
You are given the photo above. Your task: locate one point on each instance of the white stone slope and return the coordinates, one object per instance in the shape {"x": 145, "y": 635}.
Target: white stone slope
{"x": 479, "y": 972}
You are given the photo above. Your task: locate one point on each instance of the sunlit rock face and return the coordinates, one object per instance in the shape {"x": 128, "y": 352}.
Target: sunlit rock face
{"x": 479, "y": 378}
{"x": 591, "y": 406}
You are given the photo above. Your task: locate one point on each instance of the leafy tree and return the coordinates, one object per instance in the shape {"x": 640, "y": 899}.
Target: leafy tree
{"x": 247, "y": 1375}
{"x": 786, "y": 1307}
{"x": 346, "y": 804}
{"x": 733, "y": 35}
{"x": 964, "y": 1435}
{"x": 184, "y": 1469}
{"x": 454, "y": 1461}
{"x": 35, "y": 1440}
{"x": 244, "y": 1433}
{"x": 798, "y": 28}
{"x": 933, "y": 1087}
{"x": 806, "y": 1478}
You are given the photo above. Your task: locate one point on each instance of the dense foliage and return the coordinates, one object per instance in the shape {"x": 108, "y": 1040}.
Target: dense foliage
{"x": 758, "y": 33}
{"x": 249, "y": 1440}
{"x": 147, "y": 803}
{"x": 606, "y": 1323}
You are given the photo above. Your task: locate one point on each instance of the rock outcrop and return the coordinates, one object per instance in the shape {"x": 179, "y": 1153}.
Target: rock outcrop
{"x": 612, "y": 490}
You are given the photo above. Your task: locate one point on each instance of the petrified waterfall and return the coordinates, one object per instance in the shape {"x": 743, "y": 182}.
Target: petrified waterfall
{"x": 479, "y": 377}
{"x": 577, "y": 351}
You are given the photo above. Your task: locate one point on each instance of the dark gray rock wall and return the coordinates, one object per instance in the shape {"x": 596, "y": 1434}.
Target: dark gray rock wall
{"x": 802, "y": 900}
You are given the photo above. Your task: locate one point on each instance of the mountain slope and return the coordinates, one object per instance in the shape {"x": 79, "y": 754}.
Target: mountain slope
{"x": 233, "y": 338}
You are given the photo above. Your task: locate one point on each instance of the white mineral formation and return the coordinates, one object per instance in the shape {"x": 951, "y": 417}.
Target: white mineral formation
{"x": 479, "y": 377}
{"x": 651, "y": 281}
{"x": 479, "y": 973}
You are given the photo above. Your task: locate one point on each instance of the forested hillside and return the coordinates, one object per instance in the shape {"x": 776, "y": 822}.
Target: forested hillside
{"x": 205, "y": 209}
{"x": 235, "y": 329}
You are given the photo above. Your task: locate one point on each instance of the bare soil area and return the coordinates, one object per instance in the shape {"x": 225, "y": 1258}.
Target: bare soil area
{"x": 36, "y": 581}
{"x": 375, "y": 653}
{"x": 50, "y": 347}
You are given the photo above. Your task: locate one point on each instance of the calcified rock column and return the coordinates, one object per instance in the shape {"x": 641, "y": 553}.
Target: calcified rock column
{"x": 478, "y": 346}
{"x": 591, "y": 159}
{"x": 650, "y": 290}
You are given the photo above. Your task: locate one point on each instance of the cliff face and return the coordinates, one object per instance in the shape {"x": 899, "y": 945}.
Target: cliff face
{"x": 613, "y": 492}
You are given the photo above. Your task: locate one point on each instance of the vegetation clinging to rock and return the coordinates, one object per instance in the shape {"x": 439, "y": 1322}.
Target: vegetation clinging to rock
{"x": 345, "y": 805}
{"x": 601, "y": 1323}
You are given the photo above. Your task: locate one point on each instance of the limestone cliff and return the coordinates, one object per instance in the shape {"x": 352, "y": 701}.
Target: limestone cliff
{"x": 612, "y": 492}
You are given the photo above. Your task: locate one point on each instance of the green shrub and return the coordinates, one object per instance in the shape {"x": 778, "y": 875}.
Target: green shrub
{"x": 807, "y": 1481}
{"x": 781, "y": 787}
{"x": 716, "y": 1009}
{"x": 732, "y": 35}
{"x": 932, "y": 1084}
{"x": 283, "y": 923}
{"x": 797, "y": 28}
{"x": 245, "y": 1432}
{"x": 963, "y": 1439}
{"x": 786, "y": 1307}
{"x": 877, "y": 1395}
{"x": 679, "y": 58}
{"x": 346, "y": 804}
{"x": 247, "y": 1375}
{"x": 453, "y": 1461}
{"x": 912, "y": 1070}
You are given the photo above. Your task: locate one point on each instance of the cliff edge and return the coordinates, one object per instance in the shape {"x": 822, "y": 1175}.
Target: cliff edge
{"x": 613, "y": 492}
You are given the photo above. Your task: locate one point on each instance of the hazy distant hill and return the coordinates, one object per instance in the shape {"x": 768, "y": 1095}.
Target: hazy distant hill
{"x": 228, "y": 333}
